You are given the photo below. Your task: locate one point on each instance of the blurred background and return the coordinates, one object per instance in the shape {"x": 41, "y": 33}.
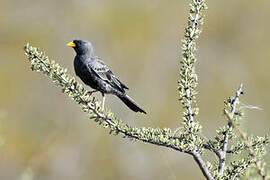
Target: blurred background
{"x": 45, "y": 135}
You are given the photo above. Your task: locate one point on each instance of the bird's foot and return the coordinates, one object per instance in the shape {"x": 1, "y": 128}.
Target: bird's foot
{"x": 91, "y": 92}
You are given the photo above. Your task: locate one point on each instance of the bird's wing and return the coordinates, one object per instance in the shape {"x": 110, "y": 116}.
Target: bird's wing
{"x": 103, "y": 72}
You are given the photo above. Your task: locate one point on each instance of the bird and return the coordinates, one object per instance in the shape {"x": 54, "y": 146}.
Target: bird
{"x": 94, "y": 73}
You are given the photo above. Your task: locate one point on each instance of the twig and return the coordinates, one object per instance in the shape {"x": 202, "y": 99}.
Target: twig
{"x": 241, "y": 148}
{"x": 197, "y": 157}
{"x": 251, "y": 151}
{"x": 188, "y": 78}
{"x": 222, "y": 154}
{"x": 230, "y": 116}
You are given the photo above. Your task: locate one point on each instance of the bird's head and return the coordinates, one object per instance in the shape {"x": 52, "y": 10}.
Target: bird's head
{"x": 82, "y": 47}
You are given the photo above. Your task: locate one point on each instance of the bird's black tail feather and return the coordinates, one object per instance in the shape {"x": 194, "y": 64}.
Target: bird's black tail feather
{"x": 131, "y": 104}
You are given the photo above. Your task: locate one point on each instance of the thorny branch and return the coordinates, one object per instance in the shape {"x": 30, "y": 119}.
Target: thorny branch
{"x": 222, "y": 154}
{"x": 188, "y": 78}
{"x": 251, "y": 151}
{"x": 230, "y": 117}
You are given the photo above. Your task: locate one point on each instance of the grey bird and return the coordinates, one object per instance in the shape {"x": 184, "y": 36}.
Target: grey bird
{"x": 94, "y": 73}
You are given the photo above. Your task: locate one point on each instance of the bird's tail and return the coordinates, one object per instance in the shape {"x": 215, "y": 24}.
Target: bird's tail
{"x": 131, "y": 104}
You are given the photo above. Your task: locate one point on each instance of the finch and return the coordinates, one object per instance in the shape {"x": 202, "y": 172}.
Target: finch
{"x": 94, "y": 73}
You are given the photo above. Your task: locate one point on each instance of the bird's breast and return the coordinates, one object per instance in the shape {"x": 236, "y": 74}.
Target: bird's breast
{"x": 84, "y": 73}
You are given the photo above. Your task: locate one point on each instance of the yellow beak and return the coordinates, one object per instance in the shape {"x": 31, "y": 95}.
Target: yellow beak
{"x": 71, "y": 44}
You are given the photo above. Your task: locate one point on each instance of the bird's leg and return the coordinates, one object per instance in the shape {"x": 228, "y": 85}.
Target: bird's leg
{"x": 91, "y": 92}
{"x": 103, "y": 101}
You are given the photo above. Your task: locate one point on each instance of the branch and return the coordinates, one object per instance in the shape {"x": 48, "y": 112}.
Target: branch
{"x": 238, "y": 168}
{"x": 197, "y": 157}
{"x": 257, "y": 142}
{"x": 251, "y": 151}
{"x": 161, "y": 137}
{"x": 222, "y": 154}
{"x": 188, "y": 81}
{"x": 230, "y": 117}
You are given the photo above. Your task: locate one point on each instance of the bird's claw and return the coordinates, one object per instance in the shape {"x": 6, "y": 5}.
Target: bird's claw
{"x": 91, "y": 92}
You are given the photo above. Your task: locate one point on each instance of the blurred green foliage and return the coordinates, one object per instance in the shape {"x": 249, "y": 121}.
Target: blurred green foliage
{"x": 139, "y": 40}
